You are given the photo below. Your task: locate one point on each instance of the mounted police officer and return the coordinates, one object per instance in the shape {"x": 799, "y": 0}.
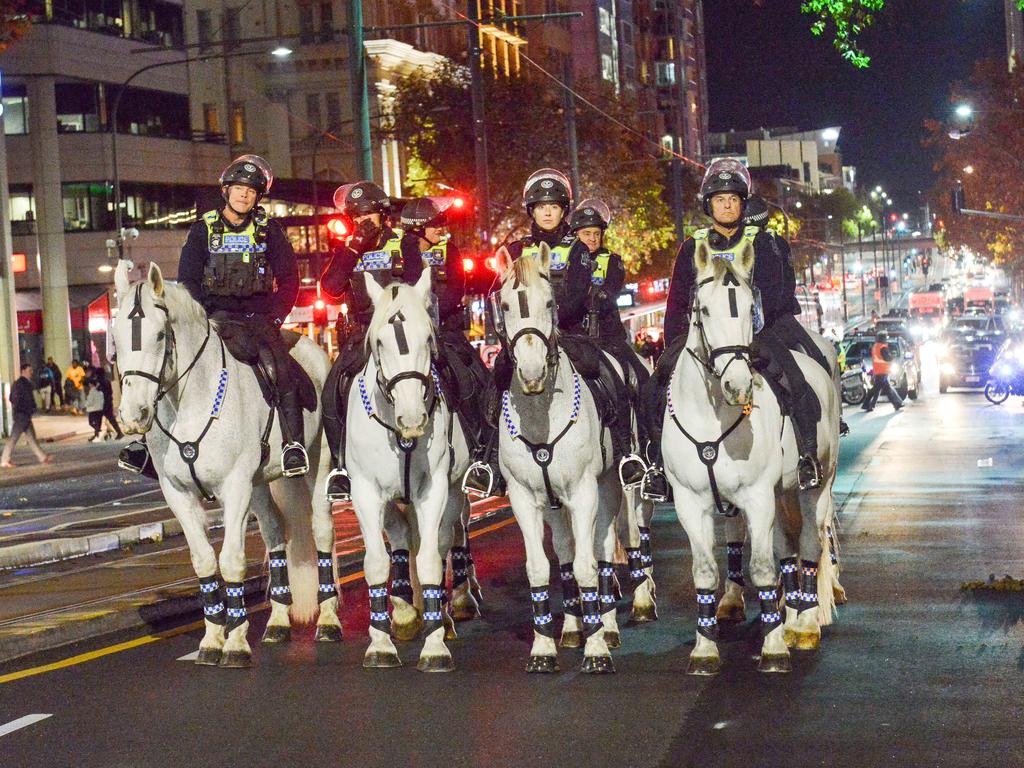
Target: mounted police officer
{"x": 376, "y": 248}
{"x": 724, "y": 193}
{"x": 239, "y": 265}
{"x": 464, "y": 379}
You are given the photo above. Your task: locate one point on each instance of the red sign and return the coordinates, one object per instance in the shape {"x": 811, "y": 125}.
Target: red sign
{"x": 30, "y": 321}
{"x": 19, "y": 262}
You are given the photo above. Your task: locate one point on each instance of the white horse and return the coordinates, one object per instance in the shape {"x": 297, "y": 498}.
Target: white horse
{"x": 556, "y": 458}
{"x": 721, "y": 446}
{"x": 211, "y": 420}
{"x": 403, "y": 444}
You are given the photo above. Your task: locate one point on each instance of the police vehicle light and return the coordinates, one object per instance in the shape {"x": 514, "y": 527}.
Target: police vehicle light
{"x": 337, "y": 227}
{"x": 319, "y": 304}
{"x": 468, "y": 265}
{"x": 458, "y": 202}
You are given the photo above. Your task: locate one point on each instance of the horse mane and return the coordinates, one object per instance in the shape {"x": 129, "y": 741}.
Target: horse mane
{"x": 181, "y": 305}
{"x": 525, "y": 271}
{"x": 402, "y": 296}
{"x": 717, "y": 269}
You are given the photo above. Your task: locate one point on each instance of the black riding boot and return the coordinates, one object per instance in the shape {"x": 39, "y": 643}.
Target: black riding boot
{"x": 654, "y": 486}
{"x": 294, "y": 460}
{"x": 339, "y": 485}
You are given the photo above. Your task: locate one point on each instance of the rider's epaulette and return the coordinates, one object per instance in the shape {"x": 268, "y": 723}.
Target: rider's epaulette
{"x": 701, "y": 234}
{"x": 750, "y": 231}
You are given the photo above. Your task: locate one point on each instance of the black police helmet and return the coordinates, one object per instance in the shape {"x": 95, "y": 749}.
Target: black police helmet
{"x": 425, "y": 212}
{"x": 547, "y": 186}
{"x": 755, "y": 212}
{"x": 361, "y": 198}
{"x": 590, "y": 213}
{"x": 723, "y": 176}
{"x": 250, "y": 171}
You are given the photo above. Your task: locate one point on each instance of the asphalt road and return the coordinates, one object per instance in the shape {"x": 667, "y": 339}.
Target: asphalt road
{"x": 915, "y": 672}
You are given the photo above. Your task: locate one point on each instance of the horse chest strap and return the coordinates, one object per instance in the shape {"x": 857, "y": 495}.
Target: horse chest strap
{"x": 708, "y": 452}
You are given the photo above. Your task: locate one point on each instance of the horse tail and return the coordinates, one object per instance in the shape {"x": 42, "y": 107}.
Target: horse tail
{"x": 827, "y": 574}
{"x": 295, "y": 502}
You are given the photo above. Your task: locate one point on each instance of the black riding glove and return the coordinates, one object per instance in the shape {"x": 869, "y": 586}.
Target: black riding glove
{"x": 365, "y": 237}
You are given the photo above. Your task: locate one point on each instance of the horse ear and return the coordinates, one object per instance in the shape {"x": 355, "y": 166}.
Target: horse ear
{"x": 502, "y": 260}
{"x": 422, "y": 287}
{"x": 545, "y": 258}
{"x": 156, "y": 279}
{"x": 121, "y": 282}
{"x": 700, "y": 256}
{"x": 747, "y": 259}
{"x": 372, "y": 287}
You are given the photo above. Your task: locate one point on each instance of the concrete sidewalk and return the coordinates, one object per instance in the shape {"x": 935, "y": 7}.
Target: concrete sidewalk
{"x": 66, "y": 439}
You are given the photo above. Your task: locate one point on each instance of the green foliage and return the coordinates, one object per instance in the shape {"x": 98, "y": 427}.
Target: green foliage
{"x": 847, "y": 19}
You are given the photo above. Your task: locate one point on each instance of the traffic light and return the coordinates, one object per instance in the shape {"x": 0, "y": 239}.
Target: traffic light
{"x": 479, "y": 272}
{"x": 893, "y": 217}
{"x": 957, "y": 198}
{"x": 320, "y": 313}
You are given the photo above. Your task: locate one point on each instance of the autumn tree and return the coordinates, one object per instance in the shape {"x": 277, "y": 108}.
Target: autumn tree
{"x": 985, "y": 153}
{"x": 14, "y": 22}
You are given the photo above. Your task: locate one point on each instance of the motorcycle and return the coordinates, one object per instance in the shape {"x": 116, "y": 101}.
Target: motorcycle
{"x": 1006, "y": 377}
{"x": 855, "y": 384}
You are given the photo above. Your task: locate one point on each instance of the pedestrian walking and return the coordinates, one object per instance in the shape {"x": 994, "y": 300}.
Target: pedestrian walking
{"x": 58, "y": 382}
{"x": 94, "y": 408}
{"x": 74, "y": 394}
{"x": 23, "y": 404}
{"x": 103, "y": 382}
{"x": 881, "y": 356}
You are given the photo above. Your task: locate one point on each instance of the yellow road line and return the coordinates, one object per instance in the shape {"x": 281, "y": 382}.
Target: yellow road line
{"x": 82, "y": 658}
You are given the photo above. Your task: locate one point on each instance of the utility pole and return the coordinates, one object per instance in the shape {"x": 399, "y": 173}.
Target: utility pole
{"x": 10, "y": 355}
{"x": 1014, "y": 33}
{"x": 476, "y": 85}
{"x": 569, "y": 105}
{"x": 360, "y": 93}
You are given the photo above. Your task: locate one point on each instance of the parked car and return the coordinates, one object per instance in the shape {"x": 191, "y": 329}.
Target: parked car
{"x": 904, "y": 370}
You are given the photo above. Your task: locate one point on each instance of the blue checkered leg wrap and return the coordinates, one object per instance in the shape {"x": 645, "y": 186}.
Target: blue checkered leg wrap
{"x": 635, "y": 565}
{"x": 235, "y": 600}
{"x": 460, "y": 567}
{"x": 646, "y": 558}
{"x": 570, "y": 591}
{"x": 401, "y": 584}
{"x": 790, "y": 582}
{"x": 770, "y": 615}
{"x": 280, "y": 592}
{"x": 379, "y": 618}
{"x": 433, "y": 596}
{"x": 734, "y": 562}
{"x": 809, "y": 588}
{"x": 606, "y": 586}
{"x": 543, "y": 621}
{"x": 590, "y": 601}
{"x": 325, "y": 576}
{"x": 213, "y": 604}
{"x": 707, "y": 621}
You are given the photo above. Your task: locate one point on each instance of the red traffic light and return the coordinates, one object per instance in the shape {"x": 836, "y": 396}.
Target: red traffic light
{"x": 337, "y": 227}
{"x": 458, "y": 202}
{"x": 468, "y": 265}
{"x": 893, "y": 217}
{"x": 319, "y": 304}
{"x": 491, "y": 263}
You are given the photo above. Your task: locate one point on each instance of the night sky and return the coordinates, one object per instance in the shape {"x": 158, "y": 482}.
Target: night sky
{"x": 766, "y": 69}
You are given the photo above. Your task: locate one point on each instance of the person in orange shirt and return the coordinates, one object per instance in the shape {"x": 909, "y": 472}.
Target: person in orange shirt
{"x": 76, "y": 375}
{"x": 881, "y": 357}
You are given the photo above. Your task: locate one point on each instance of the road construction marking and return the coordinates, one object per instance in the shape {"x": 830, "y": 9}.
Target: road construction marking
{"x": 189, "y": 656}
{"x": 147, "y": 639}
{"x": 20, "y": 723}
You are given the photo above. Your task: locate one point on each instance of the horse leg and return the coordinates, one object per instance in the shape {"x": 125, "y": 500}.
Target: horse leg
{"x": 474, "y": 584}
{"x": 789, "y": 524}
{"x": 190, "y": 513}
{"x": 610, "y": 502}
{"x": 464, "y": 603}
{"x": 759, "y": 507}
{"x": 236, "y": 493}
{"x": 268, "y": 516}
{"x": 562, "y": 542}
{"x": 406, "y": 618}
{"x": 732, "y": 608}
{"x": 328, "y": 624}
{"x": 694, "y": 514}
{"x": 430, "y": 566}
{"x": 582, "y": 507}
{"x": 645, "y": 606}
{"x": 369, "y": 509}
{"x": 636, "y": 515}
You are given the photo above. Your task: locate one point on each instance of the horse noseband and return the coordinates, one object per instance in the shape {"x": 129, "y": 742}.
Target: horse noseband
{"x": 387, "y": 385}
{"x": 548, "y": 341}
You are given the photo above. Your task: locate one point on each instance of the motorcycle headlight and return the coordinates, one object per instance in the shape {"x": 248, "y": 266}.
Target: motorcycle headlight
{"x": 1004, "y": 370}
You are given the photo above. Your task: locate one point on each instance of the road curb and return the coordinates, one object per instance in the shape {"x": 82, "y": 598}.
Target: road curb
{"x": 57, "y": 471}
{"x": 52, "y": 550}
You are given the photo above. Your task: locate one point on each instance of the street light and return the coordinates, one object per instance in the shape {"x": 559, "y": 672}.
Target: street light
{"x": 281, "y": 52}
{"x": 969, "y": 169}
{"x": 964, "y": 111}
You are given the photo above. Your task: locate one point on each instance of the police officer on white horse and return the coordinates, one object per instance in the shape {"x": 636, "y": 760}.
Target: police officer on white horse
{"x": 724, "y": 193}
{"x": 238, "y": 264}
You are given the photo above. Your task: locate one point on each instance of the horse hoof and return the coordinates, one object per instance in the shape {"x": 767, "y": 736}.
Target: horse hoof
{"x": 327, "y": 633}
{"x": 208, "y": 657}
{"x": 571, "y": 640}
{"x": 277, "y": 633}
{"x": 704, "y": 665}
{"x": 235, "y": 660}
{"x": 775, "y": 663}
{"x": 731, "y": 614}
{"x": 597, "y": 665}
{"x": 381, "y": 660}
{"x": 542, "y": 665}
{"x": 612, "y": 639}
{"x": 406, "y": 632}
{"x": 450, "y": 633}
{"x": 805, "y": 641}
{"x": 645, "y": 613}
{"x": 466, "y": 611}
{"x": 435, "y": 664}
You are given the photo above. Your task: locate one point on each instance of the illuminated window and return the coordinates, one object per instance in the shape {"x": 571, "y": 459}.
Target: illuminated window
{"x": 604, "y": 21}
{"x": 238, "y": 123}
{"x": 607, "y": 68}
{"x": 211, "y": 120}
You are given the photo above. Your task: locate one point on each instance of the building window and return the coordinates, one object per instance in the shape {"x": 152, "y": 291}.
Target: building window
{"x": 89, "y": 207}
{"x": 313, "y": 115}
{"x": 23, "y": 210}
{"x": 306, "y": 24}
{"x": 604, "y": 21}
{"x": 232, "y": 26}
{"x": 326, "y": 22}
{"x": 665, "y": 73}
{"x": 238, "y": 122}
{"x": 333, "y": 111}
{"x": 15, "y": 104}
{"x": 807, "y": 172}
{"x": 607, "y": 67}
{"x": 204, "y": 29}
{"x": 211, "y": 120}
{"x": 78, "y": 107}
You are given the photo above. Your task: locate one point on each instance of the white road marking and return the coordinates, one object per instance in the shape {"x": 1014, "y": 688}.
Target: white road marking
{"x": 20, "y": 723}
{"x": 189, "y": 656}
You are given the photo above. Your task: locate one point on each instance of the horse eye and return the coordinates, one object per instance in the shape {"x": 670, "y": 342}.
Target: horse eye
{"x": 550, "y": 303}
{"x": 161, "y": 336}
{"x": 504, "y": 306}
{"x": 704, "y": 311}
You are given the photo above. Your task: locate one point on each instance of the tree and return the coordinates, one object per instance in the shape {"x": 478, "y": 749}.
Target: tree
{"x": 525, "y": 128}
{"x": 14, "y": 22}
{"x": 988, "y": 160}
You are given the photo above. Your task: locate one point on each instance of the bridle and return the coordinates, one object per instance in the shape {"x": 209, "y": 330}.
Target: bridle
{"x": 550, "y": 341}
{"x": 741, "y": 352}
{"x": 387, "y": 385}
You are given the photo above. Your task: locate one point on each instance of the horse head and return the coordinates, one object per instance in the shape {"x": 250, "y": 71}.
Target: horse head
{"x": 722, "y": 321}
{"x": 402, "y": 342}
{"x": 142, "y": 346}
{"x": 525, "y": 312}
